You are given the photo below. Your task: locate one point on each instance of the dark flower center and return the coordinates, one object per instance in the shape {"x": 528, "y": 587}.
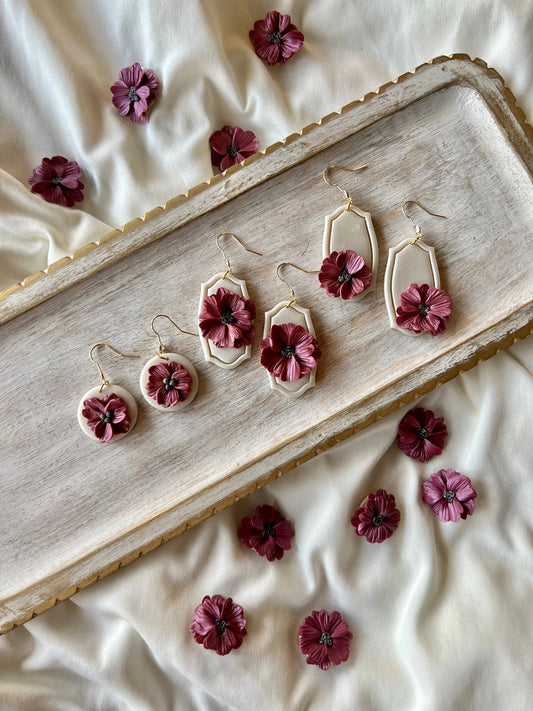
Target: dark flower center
{"x": 422, "y": 433}
{"x": 377, "y": 520}
{"x": 325, "y": 638}
{"x": 227, "y": 316}
{"x": 107, "y": 416}
{"x": 448, "y": 495}
{"x": 56, "y": 180}
{"x": 424, "y": 308}
{"x": 221, "y": 625}
{"x": 133, "y": 96}
{"x": 169, "y": 383}
{"x": 344, "y": 276}
{"x": 233, "y": 150}
{"x": 268, "y": 531}
{"x": 274, "y": 38}
{"x": 288, "y": 351}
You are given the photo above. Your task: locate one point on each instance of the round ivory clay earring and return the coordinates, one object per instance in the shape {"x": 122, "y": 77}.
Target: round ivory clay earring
{"x": 107, "y": 412}
{"x": 169, "y": 381}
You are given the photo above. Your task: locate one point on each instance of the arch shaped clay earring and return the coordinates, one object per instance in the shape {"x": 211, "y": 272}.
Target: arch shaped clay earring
{"x": 107, "y": 411}
{"x": 415, "y": 302}
{"x": 349, "y": 248}
{"x": 169, "y": 381}
{"x": 289, "y": 349}
{"x": 226, "y": 315}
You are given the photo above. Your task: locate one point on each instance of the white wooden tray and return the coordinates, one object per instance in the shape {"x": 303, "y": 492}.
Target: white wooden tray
{"x": 448, "y": 135}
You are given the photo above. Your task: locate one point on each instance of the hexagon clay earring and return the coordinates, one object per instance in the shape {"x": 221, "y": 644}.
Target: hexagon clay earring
{"x": 226, "y": 315}
{"x": 289, "y": 349}
{"x": 107, "y": 412}
{"x": 415, "y": 302}
{"x": 349, "y": 248}
{"x": 169, "y": 381}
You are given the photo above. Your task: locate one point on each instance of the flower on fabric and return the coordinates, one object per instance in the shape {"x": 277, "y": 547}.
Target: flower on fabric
{"x": 106, "y": 416}
{"x": 58, "y": 180}
{"x": 421, "y": 435}
{"x": 378, "y": 518}
{"x": 344, "y": 274}
{"x": 275, "y": 38}
{"x": 325, "y": 639}
{"x": 227, "y": 319}
{"x": 219, "y": 624}
{"x": 424, "y": 308}
{"x": 134, "y": 91}
{"x": 450, "y": 495}
{"x": 289, "y": 351}
{"x": 267, "y": 532}
{"x": 168, "y": 383}
{"x": 231, "y": 145}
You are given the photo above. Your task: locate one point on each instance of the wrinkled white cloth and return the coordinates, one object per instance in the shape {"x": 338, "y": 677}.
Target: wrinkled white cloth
{"x": 441, "y": 613}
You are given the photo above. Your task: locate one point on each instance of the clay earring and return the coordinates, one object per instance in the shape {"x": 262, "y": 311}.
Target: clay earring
{"x": 349, "y": 248}
{"x": 107, "y": 411}
{"x": 169, "y": 382}
{"x": 415, "y": 302}
{"x": 289, "y": 349}
{"x": 226, "y": 315}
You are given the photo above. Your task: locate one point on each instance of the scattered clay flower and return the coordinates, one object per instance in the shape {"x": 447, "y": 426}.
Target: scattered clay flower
{"x": 58, "y": 180}
{"x": 267, "y": 532}
{"x": 421, "y": 435}
{"x": 227, "y": 319}
{"x": 275, "y": 38}
{"x": 378, "y": 518}
{"x": 106, "y": 416}
{"x": 325, "y": 639}
{"x": 168, "y": 383}
{"x": 219, "y": 624}
{"x": 289, "y": 351}
{"x": 344, "y": 274}
{"x": 231, "y": 145}
{"x": 424, "y": 308}
{"x": 450, "y": 495}
{"x": 134, "y": 91}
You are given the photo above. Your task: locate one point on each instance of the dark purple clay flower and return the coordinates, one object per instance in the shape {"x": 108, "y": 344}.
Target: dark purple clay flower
{"x": 58, "y": 180}
{"x": 450, "y": 495}
{"x": 134, "y": 91}
{"x": 421, "y": 435}
{"x": 219, "y": 624}
{"x": 424, "y": 308}
{"x": 275, "y": 38}
{"x": 289, "y": 351}
{"x": 344, "y": 274}
{"x": 267, "y": 532}
{"x": 325, "y": 639}
{"x": 378, "y": 518}
{"x": 106, "y": 416}
{"x": 168, "y": 383}
{"x": 231, "y": 145}
{"x": 227, "y": 319}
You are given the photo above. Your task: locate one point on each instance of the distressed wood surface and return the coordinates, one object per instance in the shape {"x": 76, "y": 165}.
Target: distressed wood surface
{"x": 449, "y": 136}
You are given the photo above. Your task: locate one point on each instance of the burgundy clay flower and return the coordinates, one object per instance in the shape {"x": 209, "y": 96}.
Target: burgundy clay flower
{"x": 325, "y": 639}
{"x": 168, "y": 383}
{"x": 267, "y": 532}
{"x": 378, "y": 518}
{"x": 344, "y": 274}
{"x": 421, "y": 435}
{"x": 58, "y": 180}
{"x": 275, "y": 38}
{"x": 289, "y": 351}
{"x": 219, "y": 624}
{"x": 227, "y": 319}
{"x": 106, "y": 416}
{"x": 424, "y": 308}
{"x": 231, "y": 145}
{"x": 450, "y": 495}
{"x": 134, "y": 91}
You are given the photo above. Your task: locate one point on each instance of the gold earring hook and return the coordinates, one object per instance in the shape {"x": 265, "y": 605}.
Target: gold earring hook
{"x": 415, "y": 225}
{"x": 161, "y": 347}
{"x": 291, "y": 290}
{"x": 345, "y": 193}
{"x": 97, "y": 364}
{"x": 228, "y": 265}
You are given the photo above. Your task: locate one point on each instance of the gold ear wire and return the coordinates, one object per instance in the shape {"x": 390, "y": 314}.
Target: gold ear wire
{"x": 161, "y": 347}
{"x": 416, "y": 227}
{"x": 228, "y": 265}
{"x": 291, "y": 290}
{"x": 105, "y": 345}
{"x": 345, "y": 193}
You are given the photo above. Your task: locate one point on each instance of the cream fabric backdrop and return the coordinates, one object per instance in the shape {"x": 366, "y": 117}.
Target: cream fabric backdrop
{"x": 441, "y": 614}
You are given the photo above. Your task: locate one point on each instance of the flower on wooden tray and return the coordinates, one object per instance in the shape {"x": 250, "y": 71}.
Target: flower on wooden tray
{"x": 106, "y": 416}
{"x": 450, "y": 495}
{"x": 289, "y": 351}
{"x": 58, "y": 180}
{"x": 168, "y": 383}
{"x": 134, "y": 91}
{"x": 344, "y": 274}
{"x": 421, "y": 435}
{"x": 226, "y": 319}
{"x": 378, "y": 518}
{"x": 219, "y": 624}
{"x": 424, "y": 308}
{"x": 267, "y": 532}
{"x": 231, "y": 145}
{"x": 275, "y": 38}
{"x": 325, "y": 639}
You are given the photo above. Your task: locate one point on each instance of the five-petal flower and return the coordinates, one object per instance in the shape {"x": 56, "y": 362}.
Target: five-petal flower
{"x": 289, "y": 351}
{"x": 378, "y": 518}
{"x": 267, "y": 532}
{"x": 325, "y": 639}
{"x": 231, "y": 145}
{"x": 134, "y": 91}
{"x": 344, "y": 274}
{"x": 58, "y": 180}
{"x": 219, "y": 624}
{"x": 168, "y": 383}
{"x": 275, "y": 38}
{"x": 226, "y": 319}
{"x": 106, "y": 416}
{"x": 450, "y": 495}
{"x": 424, "y": 308}
{"x": 421, "y": 435}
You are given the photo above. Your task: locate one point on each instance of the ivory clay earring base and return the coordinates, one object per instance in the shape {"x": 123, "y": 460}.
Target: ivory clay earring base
{"x": 108, "y": 424}
{"x": 172, "y": 381}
